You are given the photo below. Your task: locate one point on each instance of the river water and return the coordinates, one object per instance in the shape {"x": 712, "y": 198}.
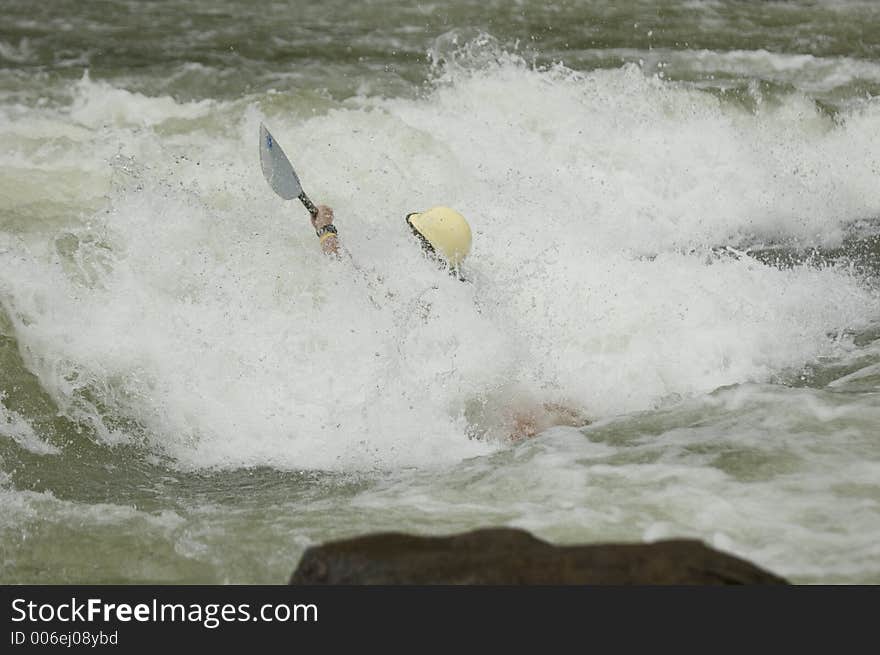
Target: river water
{"x": 676, "y": 216}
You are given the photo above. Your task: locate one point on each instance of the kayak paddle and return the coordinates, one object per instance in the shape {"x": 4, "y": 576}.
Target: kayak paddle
{"x": 279, "y": 173}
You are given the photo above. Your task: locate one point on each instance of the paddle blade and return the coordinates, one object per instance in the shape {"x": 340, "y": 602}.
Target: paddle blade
{"x": 276, "y": 167}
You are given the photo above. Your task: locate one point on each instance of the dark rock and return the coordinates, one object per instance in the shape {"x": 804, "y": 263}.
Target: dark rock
{"x": 507, "y": 556}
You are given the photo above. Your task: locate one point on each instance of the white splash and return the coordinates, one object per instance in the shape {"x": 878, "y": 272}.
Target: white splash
{"x": 199, "y": 307}
{"x": 14, "y": 426}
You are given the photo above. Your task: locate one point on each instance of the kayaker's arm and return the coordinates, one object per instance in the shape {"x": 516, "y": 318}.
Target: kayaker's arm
{"x": 528, "y": 421}
{"x": 323, "y": 224}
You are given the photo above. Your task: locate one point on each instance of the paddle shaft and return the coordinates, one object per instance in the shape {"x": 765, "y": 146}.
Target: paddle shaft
{"x": 304, "y": 199}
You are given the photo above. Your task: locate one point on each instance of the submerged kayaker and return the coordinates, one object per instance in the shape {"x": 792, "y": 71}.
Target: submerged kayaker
{"x": 444, "y": 234}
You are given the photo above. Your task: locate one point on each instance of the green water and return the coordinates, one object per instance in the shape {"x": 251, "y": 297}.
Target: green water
{"x": 192, "y": 393}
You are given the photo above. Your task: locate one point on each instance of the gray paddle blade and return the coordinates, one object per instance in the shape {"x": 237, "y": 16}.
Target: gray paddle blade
{"x": 276, "y": 167}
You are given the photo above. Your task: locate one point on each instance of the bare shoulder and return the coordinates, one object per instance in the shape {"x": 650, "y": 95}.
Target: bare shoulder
{"x": 528, "y": 422}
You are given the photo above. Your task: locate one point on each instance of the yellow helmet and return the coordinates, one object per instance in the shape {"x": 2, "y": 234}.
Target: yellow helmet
{"x": 444, "y": 231}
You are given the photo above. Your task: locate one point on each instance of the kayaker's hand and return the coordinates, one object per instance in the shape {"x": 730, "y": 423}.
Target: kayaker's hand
{"x": 323, "y": 217}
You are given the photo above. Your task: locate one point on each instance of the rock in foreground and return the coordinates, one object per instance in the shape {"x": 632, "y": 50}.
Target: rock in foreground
{"x": 508, "y": 556}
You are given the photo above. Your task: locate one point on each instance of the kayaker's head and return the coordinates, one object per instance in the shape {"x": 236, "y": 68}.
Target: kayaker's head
{"x": 443, "y": 233}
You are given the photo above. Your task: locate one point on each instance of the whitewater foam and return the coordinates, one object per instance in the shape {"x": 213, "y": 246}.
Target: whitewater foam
{"x": 808, "y": 73}
{"x": 197, "y": 307}
{"x": 99, "y": 104}
{"x": 14, "y": 426}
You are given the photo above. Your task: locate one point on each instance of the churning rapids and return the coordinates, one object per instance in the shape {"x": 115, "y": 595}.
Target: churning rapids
{"x": 681, "y": 242}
